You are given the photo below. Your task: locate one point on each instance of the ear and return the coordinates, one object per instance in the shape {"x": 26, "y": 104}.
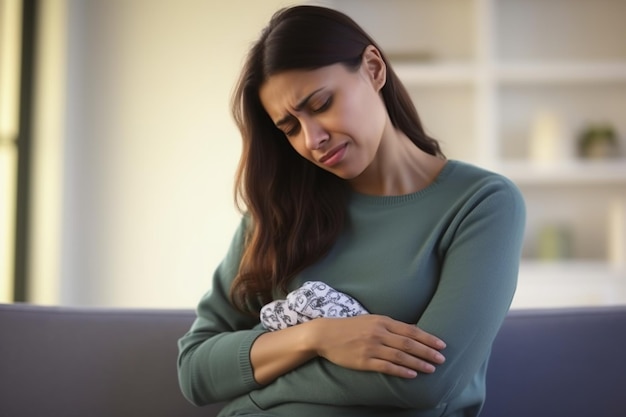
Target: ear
{"x": 375, "y": 67}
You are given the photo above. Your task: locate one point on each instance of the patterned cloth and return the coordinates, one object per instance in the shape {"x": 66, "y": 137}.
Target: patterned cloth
{"x": 314, "y": 299}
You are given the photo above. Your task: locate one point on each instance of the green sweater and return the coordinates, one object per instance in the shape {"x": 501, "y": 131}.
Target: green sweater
{"x": 445, "y": 258}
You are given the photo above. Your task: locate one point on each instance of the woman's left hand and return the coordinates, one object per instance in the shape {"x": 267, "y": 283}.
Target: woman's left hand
{"x": 377, "y": 343}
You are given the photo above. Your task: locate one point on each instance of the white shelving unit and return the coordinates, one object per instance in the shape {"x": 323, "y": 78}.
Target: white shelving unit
{"x": 482, "y": 74}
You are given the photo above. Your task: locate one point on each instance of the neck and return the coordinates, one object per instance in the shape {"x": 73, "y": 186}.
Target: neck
{"x": 399, "y": 168}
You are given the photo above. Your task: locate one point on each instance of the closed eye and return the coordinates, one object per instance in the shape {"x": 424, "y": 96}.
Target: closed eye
{"x": 291, "y": 130}
{"x": 325, "y": 106}
{"x": 290, "y": 126}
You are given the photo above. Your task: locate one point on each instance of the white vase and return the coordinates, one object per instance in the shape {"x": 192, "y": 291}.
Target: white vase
{"x": 548, "y": 138}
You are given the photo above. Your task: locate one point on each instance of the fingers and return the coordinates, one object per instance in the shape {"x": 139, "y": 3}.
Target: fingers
{"x": 410, "y": 349}
{"x": 413, "y": 356}
{"x": 394, "y": 362}
{"x": 415, "y": 333}
{"x": 416, "y": 349}
{"x": 390, "y": 368}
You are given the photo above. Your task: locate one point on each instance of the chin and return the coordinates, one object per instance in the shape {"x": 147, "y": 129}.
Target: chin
{"x": 345, "y": 174}
{"x": 343, "y": 171}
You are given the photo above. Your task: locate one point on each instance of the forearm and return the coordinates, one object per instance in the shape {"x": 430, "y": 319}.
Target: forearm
{"x": 360, "y": 363}
{"x": 273, "y": 354}
{"x": 360, "y": 341}
{"x": 467, "y": 351}
{"x": 339, "y": 386}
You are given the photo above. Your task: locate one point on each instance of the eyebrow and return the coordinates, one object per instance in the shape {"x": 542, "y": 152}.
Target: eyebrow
{"x": 298, "y": 107}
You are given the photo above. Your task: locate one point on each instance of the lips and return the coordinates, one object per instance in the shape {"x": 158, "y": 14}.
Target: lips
{"x": 334, "y": 155}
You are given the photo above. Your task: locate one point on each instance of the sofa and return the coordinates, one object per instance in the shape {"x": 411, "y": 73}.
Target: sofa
{"x": 97, "y": 362}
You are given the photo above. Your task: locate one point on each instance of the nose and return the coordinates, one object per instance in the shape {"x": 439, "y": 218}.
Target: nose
{"x": 315, "y": 135}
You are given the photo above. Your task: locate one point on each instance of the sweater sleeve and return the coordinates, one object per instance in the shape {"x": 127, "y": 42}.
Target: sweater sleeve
{"x": 214, "y": 356}
{"x": 481, "y": 253}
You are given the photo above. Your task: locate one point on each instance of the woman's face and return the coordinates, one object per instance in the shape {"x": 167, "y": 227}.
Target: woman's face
{"x": 333, "y": 117}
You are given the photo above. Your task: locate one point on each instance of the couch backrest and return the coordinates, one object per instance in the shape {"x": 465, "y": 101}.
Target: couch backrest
{"x": 58, "y": 361}
{"x": 559, "y": 363}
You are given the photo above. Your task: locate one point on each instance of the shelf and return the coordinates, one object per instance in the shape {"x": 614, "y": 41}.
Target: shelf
{"x": 527, "y": 73}
{"x": 427, "y": 74}
{"x": 564, "y": 284}
{"x": 565, "y": 173}
{"x": 519, "y": 73}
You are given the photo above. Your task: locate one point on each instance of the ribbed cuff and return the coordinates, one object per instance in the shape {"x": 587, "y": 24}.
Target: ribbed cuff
{"x": 245, "y": 365}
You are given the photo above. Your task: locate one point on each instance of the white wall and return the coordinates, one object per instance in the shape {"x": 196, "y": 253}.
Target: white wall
{"x": 10, "y": 43}
{"x": 135, "y": 148}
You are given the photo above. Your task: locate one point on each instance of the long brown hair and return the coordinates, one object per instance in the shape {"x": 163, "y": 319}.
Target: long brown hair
{"x": 297, "y": 210}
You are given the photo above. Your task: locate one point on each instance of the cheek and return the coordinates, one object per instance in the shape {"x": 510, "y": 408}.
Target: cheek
{"x": 366, "y": 112}
{"x": 376, "y": 108}
{"x": 366, "y": 126}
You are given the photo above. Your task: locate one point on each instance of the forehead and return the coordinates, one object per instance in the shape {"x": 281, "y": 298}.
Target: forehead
{"x": 281, "y": 92}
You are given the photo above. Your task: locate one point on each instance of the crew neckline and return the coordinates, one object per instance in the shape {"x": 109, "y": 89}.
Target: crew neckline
{"x": 357, "y": 197}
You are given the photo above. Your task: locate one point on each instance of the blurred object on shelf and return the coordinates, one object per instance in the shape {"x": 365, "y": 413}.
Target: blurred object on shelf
{"x": 617, "y": 232}
{"x": 598, "y": 141}
{"x": 555, "y": 242}
{"x": 548, "y": 142}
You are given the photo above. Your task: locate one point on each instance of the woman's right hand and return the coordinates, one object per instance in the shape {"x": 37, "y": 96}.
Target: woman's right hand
{"x": 377, "y": 343}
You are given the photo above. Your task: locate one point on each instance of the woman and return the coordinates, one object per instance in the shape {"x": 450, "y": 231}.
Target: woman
{"x": 369, "y": 275}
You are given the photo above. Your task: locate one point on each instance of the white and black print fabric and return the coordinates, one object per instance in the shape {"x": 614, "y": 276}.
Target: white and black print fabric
{"x": 314, "y": 299}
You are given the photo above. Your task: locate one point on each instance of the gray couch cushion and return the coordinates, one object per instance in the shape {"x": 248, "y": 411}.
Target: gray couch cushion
{"x": 91, "y": 362}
